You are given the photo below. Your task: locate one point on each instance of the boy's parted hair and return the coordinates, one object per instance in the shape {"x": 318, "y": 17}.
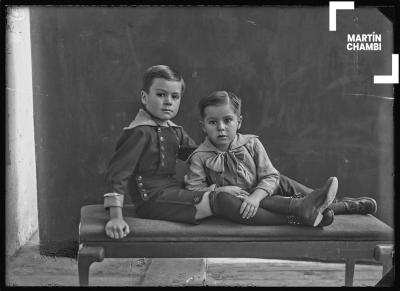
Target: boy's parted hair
{"x": 221, "y": 98}
{"x": 163, "y": 72}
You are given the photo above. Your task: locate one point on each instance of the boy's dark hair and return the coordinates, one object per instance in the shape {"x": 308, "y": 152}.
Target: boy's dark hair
{"x": 163, "y": 72}
{"x": 221, "y": 98}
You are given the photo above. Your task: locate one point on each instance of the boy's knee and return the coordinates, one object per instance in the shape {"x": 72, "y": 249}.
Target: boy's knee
{"x": 213, "y": 202}
{"x": 225, "y": 199}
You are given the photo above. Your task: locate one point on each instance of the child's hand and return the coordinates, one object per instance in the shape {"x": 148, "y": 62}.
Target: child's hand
{"x": 234, "y": 190}
{"x": 249, "y": 206}
{"x": 117, "y": 228}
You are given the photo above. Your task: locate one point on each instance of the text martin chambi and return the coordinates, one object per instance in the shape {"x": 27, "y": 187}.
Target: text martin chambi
{"x": 364, "y": 42}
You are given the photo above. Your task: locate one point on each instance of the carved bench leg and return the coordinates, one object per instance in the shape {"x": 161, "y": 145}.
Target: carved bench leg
{"x": 383, "y": 254}
{"x": 349, "y": 272}
{"x": 86, "y": 256}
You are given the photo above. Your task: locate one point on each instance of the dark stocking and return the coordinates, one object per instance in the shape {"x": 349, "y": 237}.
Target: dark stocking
{"x": 276, "y": 203}
{"x": 338, "y": 207}
{"x": 228, "y": 206}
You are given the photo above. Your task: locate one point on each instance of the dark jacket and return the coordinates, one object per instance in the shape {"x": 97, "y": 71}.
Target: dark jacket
{"x": 145, "y": 158}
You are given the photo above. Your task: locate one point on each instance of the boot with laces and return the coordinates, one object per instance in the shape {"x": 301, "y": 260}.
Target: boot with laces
{"x": 309, "y": 210}
{"x": 360, "y": 205}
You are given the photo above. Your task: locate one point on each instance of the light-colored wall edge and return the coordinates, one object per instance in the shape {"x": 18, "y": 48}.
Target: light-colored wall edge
{"x": 21, "y": 190}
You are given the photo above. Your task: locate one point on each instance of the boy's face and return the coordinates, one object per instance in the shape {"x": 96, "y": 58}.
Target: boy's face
{"x": 163, "y": 99}
{"x": 221, "y": 123}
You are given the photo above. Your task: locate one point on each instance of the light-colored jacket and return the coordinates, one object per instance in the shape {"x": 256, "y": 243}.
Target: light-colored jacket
{"x": 245, "y": 164}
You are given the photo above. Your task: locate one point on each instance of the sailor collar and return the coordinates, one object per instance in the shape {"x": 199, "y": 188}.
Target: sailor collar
{"x": 144, "y": 118}
{"x": 240, "y": 140}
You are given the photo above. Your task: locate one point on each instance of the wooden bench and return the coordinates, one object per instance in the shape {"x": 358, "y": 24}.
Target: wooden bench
{"x": 349, "y": 238}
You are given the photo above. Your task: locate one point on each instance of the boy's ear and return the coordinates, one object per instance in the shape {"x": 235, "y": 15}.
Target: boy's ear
{"x": 240, "y": 121}
{"x": 143, "y": 97}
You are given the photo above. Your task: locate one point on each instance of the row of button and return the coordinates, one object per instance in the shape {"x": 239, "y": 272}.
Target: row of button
{"x": 162, "y": 147}
{"x": 140, "y": 186}
{"x": 196, "y": 199}
{"x": 140, "y": 178}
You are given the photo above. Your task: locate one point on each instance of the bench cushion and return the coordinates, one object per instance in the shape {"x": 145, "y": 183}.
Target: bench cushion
{"x": 344, "y": 228}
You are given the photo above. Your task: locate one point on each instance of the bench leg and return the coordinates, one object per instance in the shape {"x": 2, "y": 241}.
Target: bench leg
{"x": 349, "y": 272}
{"x": 86, "y": 256}
{"x": 384, "y": 255}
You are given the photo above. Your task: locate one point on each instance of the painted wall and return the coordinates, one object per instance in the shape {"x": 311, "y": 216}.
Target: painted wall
{"x": 21, "y": 192}
{"x": 312, "y": 102}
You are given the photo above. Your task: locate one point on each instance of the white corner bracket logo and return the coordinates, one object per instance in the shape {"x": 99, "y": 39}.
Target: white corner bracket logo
{"x": 336, "y": 5}
{"x": 390, "y": 79}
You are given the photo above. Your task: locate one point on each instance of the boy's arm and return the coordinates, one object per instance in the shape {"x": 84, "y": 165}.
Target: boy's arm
{"x": 195, "y": 178}
{"x": 267, "y": 175}
{"x": 122, "y": 164}
{"x": 187, "y": 145}
{"x": 115, "y": 212}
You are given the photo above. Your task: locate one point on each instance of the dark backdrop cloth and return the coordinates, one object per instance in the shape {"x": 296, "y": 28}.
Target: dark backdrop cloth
{"x": 312, "y": 103}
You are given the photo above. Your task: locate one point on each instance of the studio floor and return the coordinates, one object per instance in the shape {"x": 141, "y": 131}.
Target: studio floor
{"x": 28, "y": 268}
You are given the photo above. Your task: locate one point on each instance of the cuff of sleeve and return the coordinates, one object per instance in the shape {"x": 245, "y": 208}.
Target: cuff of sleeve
{"x": 268, "y": 191}
{"x": 113, "y": 200}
